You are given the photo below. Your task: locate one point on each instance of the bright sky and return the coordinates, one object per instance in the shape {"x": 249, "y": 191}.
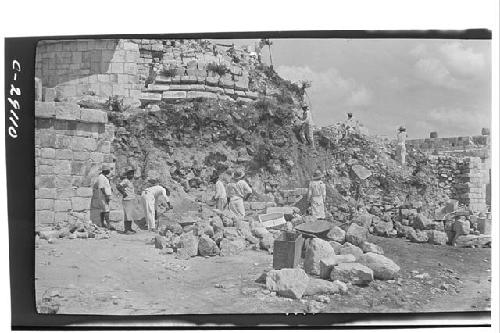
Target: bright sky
{"x": 424, "y": 84}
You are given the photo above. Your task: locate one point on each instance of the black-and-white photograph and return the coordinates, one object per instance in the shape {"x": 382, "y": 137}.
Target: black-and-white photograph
{"x": 266, "y": 175}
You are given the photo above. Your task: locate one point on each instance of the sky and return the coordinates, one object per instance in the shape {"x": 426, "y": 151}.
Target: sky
{"x": 426, "y": 85}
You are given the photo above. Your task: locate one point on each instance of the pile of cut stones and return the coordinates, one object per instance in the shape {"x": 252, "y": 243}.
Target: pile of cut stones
{"x": 70, "y": 230}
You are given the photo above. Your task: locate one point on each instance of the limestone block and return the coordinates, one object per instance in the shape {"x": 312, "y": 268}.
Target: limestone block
{"x": 44, "y": 217}
{"x": 79, "y": 203}
{"x": 150, "y": 97}
{"x": 67, "y": 111}
{"x": 81, "y": 156}
{"x": 212, "y": 81}
{"x": 45, "y": 169}
{"x": 63, "y": 181}
{"x": 64, "y": 154}
{"x": 217, "y": 90}
{"x": 252, "y": 94}
{"x": 48, "y": 181}
{"x": 48, "y": 153}
{"x": 62, "y": 205}
{"x": 201, "y": 94}
{"x": 46, "y": 193}
{"x": 174, "y": 95}
{"x": 44, "y": 204}
{"x": 62, "y": 167}
{"x": 158, "y": 87}
{"x": 45, "y": 109}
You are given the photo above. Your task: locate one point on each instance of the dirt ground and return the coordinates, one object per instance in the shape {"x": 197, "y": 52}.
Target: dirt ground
{"x": 124, "y": 276}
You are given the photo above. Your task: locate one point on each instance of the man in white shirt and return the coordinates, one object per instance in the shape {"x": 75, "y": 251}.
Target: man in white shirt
{"x": 307, "y": 126}
{"x": 126, "y": 188}
{"x": 238, "y": 191}
{"x": 220, "y": 193}
{"x": 101, "y": 196}
{"x": 401, "y": 147}
{"x": 151, "y": 197}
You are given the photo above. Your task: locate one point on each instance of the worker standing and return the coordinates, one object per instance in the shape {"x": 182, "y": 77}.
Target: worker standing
{"x": 151, "y": 197}
{"x": 238, "y": 191}
{"x": 316, "y": 195}
{"x": 101, "y": 196}
{"x": 401, "y": 147}
{"x": 126, "y": 188}
{"x": 306, "y": 132}
{"x": 220, "y": 193}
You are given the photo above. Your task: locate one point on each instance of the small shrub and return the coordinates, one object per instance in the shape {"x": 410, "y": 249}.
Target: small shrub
{"x": 169, "y": 72}
{"x": 220, "y": 69}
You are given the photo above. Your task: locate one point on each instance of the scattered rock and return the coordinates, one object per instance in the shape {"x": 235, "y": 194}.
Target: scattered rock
{"x": 260, "y": 232}
{"x": 437, "y": 237}
{"x": 351, "y": 249}
{"x": 336, "y": 246}
{"x": 160, "y": 242}
{"x": 461, "y": 227}
{"x": 354, "y": 273}
{"x": 383, "y": 268}
{"x": 231, "y": 247}
{"x": 207, "y": 246}
{"x": 319, "y": 286}
{"x": 287, "y": 282}
{"x": 418, "y": 236}
{"x": 167, "y": 250}
{"x": 421, "y": 222}
{"x": 190, "y": 243}
{"x": 231, "y": 233}
{"x": 383, "y": 229}
{"x": 175, "y": 228}
{"x": 182, "y": 254}
{"x": 363, "y": 220}
{"x": 317, "y": 249}
{"x": 336, "y": 234}
{"x": 370, "y": 247}
{"x": 267, "y": 243}
{"x": 326, "y": 265}
{"x": 356, "y": 234}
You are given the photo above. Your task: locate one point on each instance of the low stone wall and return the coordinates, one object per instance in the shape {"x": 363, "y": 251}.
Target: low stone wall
{"x": 475, "y": 146}
{"x": 71, "y": 146}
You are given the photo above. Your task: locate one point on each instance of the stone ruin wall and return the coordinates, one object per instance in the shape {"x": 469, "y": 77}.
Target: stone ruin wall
{"x": 71, "y": 146}
{"x": 71, "y": 68}
{"x": 464, "y": 165}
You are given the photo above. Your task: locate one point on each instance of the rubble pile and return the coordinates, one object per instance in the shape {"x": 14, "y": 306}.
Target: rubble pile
{"x": 71, "y": 230}
{"x": 211, "y": 233}
{"x": 328, "y": 269}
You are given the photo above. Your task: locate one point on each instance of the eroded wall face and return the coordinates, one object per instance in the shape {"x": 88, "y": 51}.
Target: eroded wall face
{"x": 469, "y": 175}
{"x": 72, "y": 68}
{"x": 71, "y": 146}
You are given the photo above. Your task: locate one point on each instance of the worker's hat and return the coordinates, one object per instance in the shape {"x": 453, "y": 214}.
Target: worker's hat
{"x": 317, "y": 175}
{"x": 239, "y": 174}
{"x": 105, "y": 168}
{"x": 349, "y": 114}
{"x": 402, "y": 129}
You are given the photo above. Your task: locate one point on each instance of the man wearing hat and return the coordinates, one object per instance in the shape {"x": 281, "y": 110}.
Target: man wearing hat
{"x": 151, "y": 198}
{"x": 101, "y": 196}
{"x": 237, "y": 192}
{"x": 316, "y": 195}
{"x": 126, "y": 188}
{"x": 401, "y": 147}
{"x": 306, "y": 130}
{"x": 220, "y": 192}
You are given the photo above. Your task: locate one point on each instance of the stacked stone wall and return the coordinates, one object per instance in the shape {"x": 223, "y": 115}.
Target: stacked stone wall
{"x": 71, "y": 146}
{"x": 71, "y": 68}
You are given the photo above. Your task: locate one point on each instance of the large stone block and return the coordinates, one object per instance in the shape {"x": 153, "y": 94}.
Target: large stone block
{"x": 93, "y": 116}
{"x": 356, "y": 234}
{"x": 48, "y": 153}
{"x": 326, "y": 265}
{"x": 47, "y": 181}
{"x": 62, "y": 205}
{"x": 174, "y": 95}
{"x": 287, "y": 282}
{"x": 62, "y": 167}
{"x": 80, "y": 204}
{"x": 200, "y": 94}
{"x": 316, "y": 250}
{"x": 85, "y": 192}
{"x": 46, "y": 193}
{"x": 383, "y": 268}
{"x": 64, "y": 154}
{"x": 45, "y": 109}
{"x": 67, "y": 111}
{"x": 354, "y": 273}
{"x": 44, "y": 204}
{"x": 150, "y": 97}
{"x": 44, "y": 217}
